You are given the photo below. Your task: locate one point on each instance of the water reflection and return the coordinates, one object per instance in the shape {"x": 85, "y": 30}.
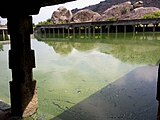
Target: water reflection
{"x": 158, "y": 92}
{"x": 1, "y": 47}
{"x": 105, "y": 77}
{"x": 158, "y": 112}
{"x": 101, "y": 77}
{"x": 132, "y": 97}
{"x": 132, "y": 49}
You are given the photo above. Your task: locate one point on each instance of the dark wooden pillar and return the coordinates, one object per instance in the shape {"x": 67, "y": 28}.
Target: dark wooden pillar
{"x": 21, "y": 61}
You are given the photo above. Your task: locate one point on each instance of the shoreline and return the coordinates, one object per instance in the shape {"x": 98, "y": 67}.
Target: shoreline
{"x": 5, "y": 42}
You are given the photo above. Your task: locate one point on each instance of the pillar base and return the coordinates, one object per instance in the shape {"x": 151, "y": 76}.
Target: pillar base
{"x": 24, "y": 101}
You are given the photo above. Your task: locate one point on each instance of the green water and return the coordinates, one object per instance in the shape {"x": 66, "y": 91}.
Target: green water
{"x": 92, "y": 78}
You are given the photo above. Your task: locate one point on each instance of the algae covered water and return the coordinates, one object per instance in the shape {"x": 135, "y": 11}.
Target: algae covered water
{"x": 100, "y": 78}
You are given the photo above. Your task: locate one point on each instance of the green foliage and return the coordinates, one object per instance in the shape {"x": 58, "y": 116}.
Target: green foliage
{"x": 96, "y": 27}
{"x": 62, "y": 22}
{"x": 152, "y": 15}
{"x": 47, "y": 22}
{"x": 1, "y": 47}
{"x": 111, "y": 19}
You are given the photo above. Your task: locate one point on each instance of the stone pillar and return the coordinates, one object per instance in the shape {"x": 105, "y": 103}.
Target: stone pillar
{"x": 100, "y": 27}
{"x": 108, "y": 28}
{"x": 54, "y": 33}
{"x": 58, "y": 32}
{"x": 68, "y": 32}
{"x": 134, "y": 29}
{"x": 116, "y": 29}
{"x": 49, "y": 32}
{"x": 158, "y": 84}
{"x": 125, "y": 29}
{"x": 89, "y": 31}
{"x": 158, "y": 112}
{"x": 41, "y": 35}
{"x": 3, "y": 35}
{"x": 63, "y": 31}
{"x": 154, "y": 27}
{"x": 45, "y": 33}
{"x": 93, "y": 31}
{"x": 85, "y": 29}
{"x": 144, "y": 31}
{"x": 74, "y": 32}
{"x": 23, "y": 91}
{"x": 144, "y": 28}
{"x": 79, "y": 28}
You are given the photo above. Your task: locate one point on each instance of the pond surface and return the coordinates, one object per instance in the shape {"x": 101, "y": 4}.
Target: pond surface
{"x": 104, "y": 78}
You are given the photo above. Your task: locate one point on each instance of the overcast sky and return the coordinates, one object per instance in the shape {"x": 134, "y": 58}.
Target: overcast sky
{"x": 46, "y": 12}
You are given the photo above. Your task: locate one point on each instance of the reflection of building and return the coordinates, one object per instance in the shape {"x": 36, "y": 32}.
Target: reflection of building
{"x": 92, "y": 28}
{"x": 3, "y": 32}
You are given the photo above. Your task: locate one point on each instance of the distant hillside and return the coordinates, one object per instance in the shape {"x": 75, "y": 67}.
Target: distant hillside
{"x": 104, "y": 5}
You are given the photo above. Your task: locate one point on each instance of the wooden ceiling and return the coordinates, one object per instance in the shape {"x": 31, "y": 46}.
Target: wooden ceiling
{"x": 25, "y": 7}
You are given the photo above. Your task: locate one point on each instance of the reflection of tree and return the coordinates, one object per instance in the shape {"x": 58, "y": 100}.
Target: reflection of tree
{"x": 137, "y": 54}
{"x": 63, "y": 48}
{"x": 1, "y": 47}
{"x": 84, "y": 46}
{"x": 138, "y": 49}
